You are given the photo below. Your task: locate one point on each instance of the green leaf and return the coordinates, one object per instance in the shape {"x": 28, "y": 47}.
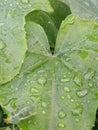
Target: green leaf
{"x": 85, "y": 9}
{"x": 12, "y": 34}
{"x": 46, "y": 22}
{"x": 57, "y": 91}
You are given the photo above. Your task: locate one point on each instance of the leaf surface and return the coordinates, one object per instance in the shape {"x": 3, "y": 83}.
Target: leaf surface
{"x": 87, "y": 9}
{"x": 60, "y": 90}
{"x": 12, "y": 34}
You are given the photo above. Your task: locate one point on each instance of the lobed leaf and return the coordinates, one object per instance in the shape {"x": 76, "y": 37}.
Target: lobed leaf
{"x": 60, "y": 90}
{"x": 12, "y": 34}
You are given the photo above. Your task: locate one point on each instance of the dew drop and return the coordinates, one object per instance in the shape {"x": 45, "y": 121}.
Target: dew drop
{"x": 72, "y": 100}
{"x": 94, "y": 35}
{"x": 77, "y": 111}
{"x": 43, "y": 112}
{"x": 90, "y": 84}
{"x": 89, "y": 74}
{"x": 96, "y": 58}
{"x": 83, "y": 54}
{"x": 68, "y": 96}
{"x": 44, "y": 104}
{"x": 66, "y": 89}
{"x": 42, "y": 80}
{"x": 62, "y": 114}
{"x": 77, "y": 80}
{"x": 1, "y": 24}
{"x": 16, "y": 88}
{"x": 61, "y": 125}
{"x": 82, "y": 93}
{"x": 77, "y": 120}
{"x": 62, "y": 97}
{"x": 65, "y": 80}
{"x": 2, "y": 44}
{"x": 11, "y": 5}
{"x": 34, "y": 90}
{"x": 39, "y": 129}
{"x": 70, "y": 19}
{"x": 68, "y": 59}
{"x": 25, "y": 1}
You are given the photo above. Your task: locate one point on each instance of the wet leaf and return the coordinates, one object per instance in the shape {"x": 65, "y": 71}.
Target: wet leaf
{"x": 56, "y": 91}
{"x": 85, "y": 9}
{"x": 12, "y": 34}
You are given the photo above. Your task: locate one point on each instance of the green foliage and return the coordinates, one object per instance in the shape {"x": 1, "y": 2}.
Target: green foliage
{"x": 51, "y": 81}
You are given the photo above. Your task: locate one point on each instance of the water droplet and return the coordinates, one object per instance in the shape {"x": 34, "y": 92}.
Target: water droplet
{"x": 94, "y": 34}
{"x": 96, "y": 58}
{"x": 17, "y": 3}
{"x": 25, "y": 1}
{"x": 90, "y": 84}
{"x": 1, "y": 24}
{"x": 42, "y": 80}
{"x": 34, "y": 90}
{"x": 77, "y": 79}
{"x": 77, "y": 111}
{"x": 61, "y": 114}
{"x": 62, "y": 97}
{"x": 82, "y": 93}
{"x": 68, "y": 59}
{"x": 77, "y": 120}
{"x": 70, "y": 19}
{"x": 68, "y": 96}
{"x": 89, "y": 74}
{"x": 65, "y": 80}
{"x": 61, "y": 125}
{"x": 72, "y": 100}
{"x": 16, "y": 88}
{"x": 44, "y": 104}
{"x": 2, "y": 44}
{"x": 83, "y": 54}
{"x": 66, "y": 89}
{"x": 11, "y": 5}
{"x": 43, "y": 112}
{"x": 39, "y": 129}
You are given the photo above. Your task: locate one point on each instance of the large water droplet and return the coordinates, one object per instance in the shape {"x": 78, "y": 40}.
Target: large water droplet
{"x": 61, "y": 125}
{"x": 42, "y": 80}
{"x": 66, "y": 89}
{"x": 25, "y": 1}
{"x": 2, "y": 44}
{"x": 77, "y": 111}
{"x": 44, "y": 104}
{"x": 82, "y": 93}
{"x": 62, "y": 114}
{"x": 89, "y": 74}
